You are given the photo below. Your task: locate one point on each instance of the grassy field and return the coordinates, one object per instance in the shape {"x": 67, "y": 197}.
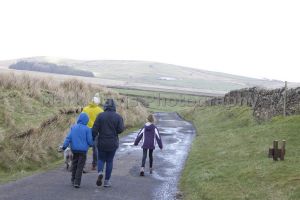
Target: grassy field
{"x": 228, "y": 159}
{"x": 158, "y": 101}
{"x": 162, "y": 94}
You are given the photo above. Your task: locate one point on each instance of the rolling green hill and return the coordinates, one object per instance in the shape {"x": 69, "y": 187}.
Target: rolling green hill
{"x": 154, "y": 75}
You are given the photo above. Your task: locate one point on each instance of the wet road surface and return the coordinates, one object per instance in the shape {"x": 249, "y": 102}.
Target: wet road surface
{"x": 177, "y": 136}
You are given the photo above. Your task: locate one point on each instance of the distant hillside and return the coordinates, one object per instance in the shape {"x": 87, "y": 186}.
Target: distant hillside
{"x": 49, "y": 68}
{"x": 159, "y": 76}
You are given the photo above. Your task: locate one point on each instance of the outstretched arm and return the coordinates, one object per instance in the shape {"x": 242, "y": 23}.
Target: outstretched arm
{"x": 139, "y": 137}
{"x": 158, "y": 138}
{"x": 68, "y": 140}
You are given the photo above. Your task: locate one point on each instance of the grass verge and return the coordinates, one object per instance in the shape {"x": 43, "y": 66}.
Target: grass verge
{"x": 6, "y": 177}
{"x": 228, "y": 159}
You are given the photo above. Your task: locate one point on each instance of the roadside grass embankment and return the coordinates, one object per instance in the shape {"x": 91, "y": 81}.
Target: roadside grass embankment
{"x": 36, "y": 114}
{"x": 229, "y": 156}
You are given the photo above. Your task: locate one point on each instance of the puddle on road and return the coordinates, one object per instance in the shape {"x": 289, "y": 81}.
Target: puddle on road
{"x": 169, "y": 131}
{"x": 126, "y": 143}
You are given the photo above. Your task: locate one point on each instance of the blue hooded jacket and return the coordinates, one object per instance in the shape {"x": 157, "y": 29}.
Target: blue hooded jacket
{"x": 80, "y": 136}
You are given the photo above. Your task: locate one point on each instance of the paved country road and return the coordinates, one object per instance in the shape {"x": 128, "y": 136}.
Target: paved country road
{"x": 177, "y": 136}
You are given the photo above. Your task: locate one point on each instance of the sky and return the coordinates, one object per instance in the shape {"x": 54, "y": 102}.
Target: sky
{"x": 257, "y": 38}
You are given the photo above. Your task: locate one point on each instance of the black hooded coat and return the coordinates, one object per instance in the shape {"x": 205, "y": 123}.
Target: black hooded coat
{"x": 107, "y": 126}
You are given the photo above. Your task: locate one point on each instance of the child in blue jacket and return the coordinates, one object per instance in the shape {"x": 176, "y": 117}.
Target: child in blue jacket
{"x": 80, "y": 138}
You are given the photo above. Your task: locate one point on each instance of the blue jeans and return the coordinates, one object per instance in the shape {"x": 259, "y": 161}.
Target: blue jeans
{"x": 108, "y": 158}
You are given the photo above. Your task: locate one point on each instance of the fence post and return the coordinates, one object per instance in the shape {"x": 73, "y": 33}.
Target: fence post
{"x": 275, "y": 147}
{"x": 282, "y": 150}
{"x": 284, "y": 99}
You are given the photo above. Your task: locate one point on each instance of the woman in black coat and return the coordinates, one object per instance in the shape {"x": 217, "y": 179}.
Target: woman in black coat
{"x": 107, "y": 127}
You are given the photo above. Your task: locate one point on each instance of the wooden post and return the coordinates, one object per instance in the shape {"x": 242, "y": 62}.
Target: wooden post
{"x": 282, "y": 150}
{"x": 284, "y": 99}
{"x": 271, "y": 152}
{"x": 275, "y": 147}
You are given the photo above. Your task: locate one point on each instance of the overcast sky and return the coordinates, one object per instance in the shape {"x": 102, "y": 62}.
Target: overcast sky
{"x": 258, "y": 38}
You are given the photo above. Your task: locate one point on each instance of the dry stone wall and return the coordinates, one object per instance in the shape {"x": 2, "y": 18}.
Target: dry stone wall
{"x": 265, "y": 103}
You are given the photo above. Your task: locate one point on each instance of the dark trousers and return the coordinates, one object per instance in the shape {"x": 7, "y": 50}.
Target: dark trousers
{"x": 77, "y": 167}
{"x": 94, "y": 163}
{"x": 95, "y": 152}
{"x": 145, "y": 156}
{"x": 108, "y": 158}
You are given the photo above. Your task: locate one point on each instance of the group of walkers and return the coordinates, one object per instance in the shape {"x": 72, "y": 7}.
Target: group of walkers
{"x": 99, "y": 129}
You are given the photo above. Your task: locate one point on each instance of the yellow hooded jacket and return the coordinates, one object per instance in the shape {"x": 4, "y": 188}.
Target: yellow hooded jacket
{"x": 92, "y": 110}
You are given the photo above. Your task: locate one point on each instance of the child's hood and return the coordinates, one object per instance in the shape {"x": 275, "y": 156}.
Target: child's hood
{"x": 148, "y": 126}
{"x": 83, "y": 119}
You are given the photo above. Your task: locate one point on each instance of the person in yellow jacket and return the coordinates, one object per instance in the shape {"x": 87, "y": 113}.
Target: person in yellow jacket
{"x": 93, "y": 110}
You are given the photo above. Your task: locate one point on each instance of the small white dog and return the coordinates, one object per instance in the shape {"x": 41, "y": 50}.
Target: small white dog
{"x": 68, "y": 157}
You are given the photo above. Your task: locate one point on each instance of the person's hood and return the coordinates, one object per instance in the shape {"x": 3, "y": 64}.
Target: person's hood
{"x": 92, "y": 104}
{"x": 148, "y": 126}
{"x": 110, "y": 105}
{"x": 83, "y": 119}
